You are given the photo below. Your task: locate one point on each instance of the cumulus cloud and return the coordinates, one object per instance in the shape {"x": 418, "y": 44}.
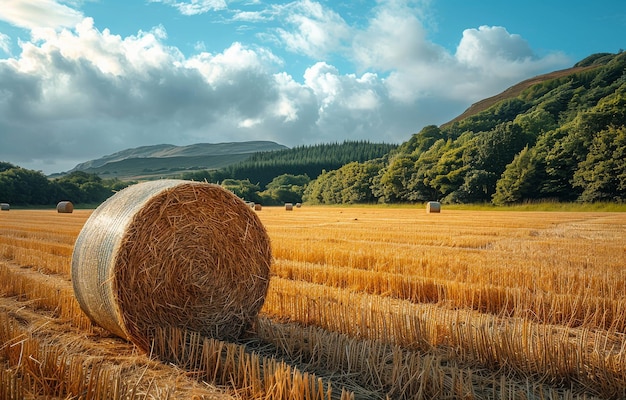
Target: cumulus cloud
{"x": 76, "y": 93}
{"x": 395, "y": 39}
{"x": 316, "y": 31}
{"x": 487, "y": 59}
{"x": 479, "y": 47}
{"x": 39, "y": 13}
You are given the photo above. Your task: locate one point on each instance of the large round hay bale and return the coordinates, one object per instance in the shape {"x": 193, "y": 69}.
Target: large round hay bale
{"x": 172, "y": 253}
{"x": 5, "y": 206}
{"x": 65, "y": 207}
{"x": 433, "y": 207}
{"x": 289, "y": 206}
{"x": 258, "y": 207}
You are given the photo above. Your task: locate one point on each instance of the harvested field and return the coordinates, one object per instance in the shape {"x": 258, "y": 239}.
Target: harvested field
{"x": 364, "y": 303}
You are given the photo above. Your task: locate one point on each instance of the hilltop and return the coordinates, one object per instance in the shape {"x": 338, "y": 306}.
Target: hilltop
{"x": 164, "y": 160}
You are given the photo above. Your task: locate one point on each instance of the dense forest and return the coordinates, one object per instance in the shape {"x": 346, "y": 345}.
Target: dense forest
{"x": 562, "y": 139}
{"x": 262, "y": 167}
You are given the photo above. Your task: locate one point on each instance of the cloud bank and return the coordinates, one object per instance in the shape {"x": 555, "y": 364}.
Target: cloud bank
{"x": 75, "y": 92}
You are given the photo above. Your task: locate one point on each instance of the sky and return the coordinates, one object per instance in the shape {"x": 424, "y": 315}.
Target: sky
{"x": 81, "y": 79}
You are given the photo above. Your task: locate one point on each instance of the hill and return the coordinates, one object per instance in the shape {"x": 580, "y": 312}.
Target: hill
{"x": 558, "y": 137}
{"x": 163, "y": 160}
{"x": 591, "y": 62}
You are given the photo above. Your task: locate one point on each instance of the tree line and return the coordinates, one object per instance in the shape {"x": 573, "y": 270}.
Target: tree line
{"x": 25, "y": 187}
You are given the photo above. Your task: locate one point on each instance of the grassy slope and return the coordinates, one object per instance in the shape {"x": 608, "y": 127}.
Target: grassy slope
{"x": 514, "y": 91}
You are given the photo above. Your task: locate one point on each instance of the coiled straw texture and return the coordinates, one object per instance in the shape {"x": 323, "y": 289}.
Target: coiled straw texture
{"x": 172, "y": 253}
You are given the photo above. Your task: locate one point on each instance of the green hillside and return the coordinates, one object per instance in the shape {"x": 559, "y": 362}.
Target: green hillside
{"x": 166, "y": 160}
{"x": 559, "y": 137}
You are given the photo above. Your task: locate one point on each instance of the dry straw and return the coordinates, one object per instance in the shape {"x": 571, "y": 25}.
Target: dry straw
{"x": 433, "y": 207}
{"x": 5, "y": 206}
{"x": 289, "y": 206}
{"x": 65, "y": 207}
{"x": 172, "y": 253}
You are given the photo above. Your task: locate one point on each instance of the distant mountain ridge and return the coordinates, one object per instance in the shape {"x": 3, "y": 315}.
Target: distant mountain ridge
{"x": 165, "y": 159}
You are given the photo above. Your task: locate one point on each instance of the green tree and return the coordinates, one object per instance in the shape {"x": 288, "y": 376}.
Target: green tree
{"x": 518, "y": 180}
{"x": 602, "y": 174}
{"x": 477, "y": 187}
{"x": 393, "y": 184}
{"x": 286, "y": 188}
{"x": 350, "y": 184}
{"x": 244, "y": 189}
{"x": 25, "y": 187}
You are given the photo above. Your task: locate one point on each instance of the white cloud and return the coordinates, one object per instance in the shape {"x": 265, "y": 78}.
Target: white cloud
{"x": 252, "y": 16}
{"x": 317, "y": 31}
{"x": 194, "y": 7}
{"x": 78, "y": 93}
{"x": 32, "y": 14}
{"x": 479, "y": 47}
{"x": 395, "y": 39}
{"x": 487, "y": 60}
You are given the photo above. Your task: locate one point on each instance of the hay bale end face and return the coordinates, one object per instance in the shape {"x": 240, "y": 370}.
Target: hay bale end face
{"x": 172, "y": 254}
{"x": 289, "y": 206}
{"x": 65, "y": 207}
{"x": 5, "y": 206}
{"x": 258, "y": 207}
{"x": 433, "y": 207}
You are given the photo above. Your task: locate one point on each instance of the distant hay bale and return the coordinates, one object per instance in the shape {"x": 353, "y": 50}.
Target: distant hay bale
{"x": 5, "y": 206}
{"x": 65, "y": 207}
{"x": 289, "y": 206}
{"x": 298, "y": 205}
{"x": 433, "y": 207}
{"x": 258, "y": 207}
{"x": 172, "y": 254}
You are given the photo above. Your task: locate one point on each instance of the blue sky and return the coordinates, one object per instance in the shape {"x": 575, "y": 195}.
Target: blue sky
{"x": 80, "y": 79}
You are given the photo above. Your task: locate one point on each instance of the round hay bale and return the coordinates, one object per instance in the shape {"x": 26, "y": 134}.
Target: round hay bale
{"x": 5, "y": 206}
{"x": 433, "y": 207}
{"x": 289, "y": 206}
{"x": 65, "y": 207}
{"x": 258, "y": 207}
{"x": 172, "y": 253}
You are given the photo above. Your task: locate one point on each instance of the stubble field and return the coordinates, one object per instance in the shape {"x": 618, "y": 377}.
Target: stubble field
{"x": 364, "y": 303}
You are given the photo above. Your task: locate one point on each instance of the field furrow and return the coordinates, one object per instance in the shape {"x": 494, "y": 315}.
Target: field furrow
{"x": 372, "y": 303}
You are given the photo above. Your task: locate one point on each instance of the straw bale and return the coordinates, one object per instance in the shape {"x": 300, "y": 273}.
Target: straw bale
{"x": 172, "y": 253}
{"x": 258, "y": 207}
{"x": 433, "y": 207}
{"x": 65, "y": 207}
{"x": 5, "y": 206}
{"x": 289, "y": 206}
